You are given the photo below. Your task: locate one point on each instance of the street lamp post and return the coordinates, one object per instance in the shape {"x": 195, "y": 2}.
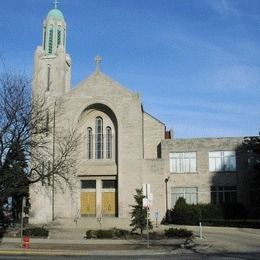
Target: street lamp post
{"x": 53, "y": 160}
{"x": 166, "y": 192}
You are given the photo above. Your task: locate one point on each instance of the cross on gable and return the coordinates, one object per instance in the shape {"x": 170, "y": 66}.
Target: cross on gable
{"x": 98, "y": 60}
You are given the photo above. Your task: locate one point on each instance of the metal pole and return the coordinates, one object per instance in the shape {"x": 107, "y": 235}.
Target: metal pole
{"x": 147, "y": 226}
{"x": 23, "y": 204}
{"x": 166, "y": 192}
{"x": 53, "y": 160}
{"x": 201, "y": 231}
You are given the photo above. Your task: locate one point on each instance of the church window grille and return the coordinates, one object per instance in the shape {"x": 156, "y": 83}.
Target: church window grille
{"x": 58, "y": 38}
{"x": 99, "y": 138}
{"x": 108, "y": 143}
{"x": 89, "y": 143}
{"x": 50, "y": 41}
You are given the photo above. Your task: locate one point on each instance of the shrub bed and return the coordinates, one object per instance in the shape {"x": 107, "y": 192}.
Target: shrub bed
{"x": 36, "y": 232}
{"x": 230, "y": 215}
{"x": 178, "y": 233}
{"x": 107, "y": 233}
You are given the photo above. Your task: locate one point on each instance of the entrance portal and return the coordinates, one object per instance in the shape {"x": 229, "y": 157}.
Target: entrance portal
{"x": 98, "y": 198}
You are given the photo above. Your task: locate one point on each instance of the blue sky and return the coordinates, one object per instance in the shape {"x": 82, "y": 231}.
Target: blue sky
{"x": 195, "y": 63}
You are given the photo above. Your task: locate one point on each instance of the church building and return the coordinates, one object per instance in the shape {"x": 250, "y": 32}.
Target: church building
{"x": 123, "y": 147}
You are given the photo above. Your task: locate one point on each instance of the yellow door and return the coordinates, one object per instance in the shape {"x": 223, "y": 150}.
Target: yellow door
{"x": 109, "y": 203}
{"x": 88, "y": 203}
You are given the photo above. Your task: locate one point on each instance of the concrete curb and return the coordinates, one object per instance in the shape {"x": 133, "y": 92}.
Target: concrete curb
{"x": 48, "y": 252}
{"x": 41, "y": 252}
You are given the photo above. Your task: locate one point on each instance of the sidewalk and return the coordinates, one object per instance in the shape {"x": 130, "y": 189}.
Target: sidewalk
{"x": 215, "y": 240}
{"x": 92, "y": 247}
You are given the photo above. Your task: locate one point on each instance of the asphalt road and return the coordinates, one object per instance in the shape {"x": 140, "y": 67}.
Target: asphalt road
{"x": 195, "y": 256}
{"x": 218, "y": 243}
{"x": 237, "y": 240}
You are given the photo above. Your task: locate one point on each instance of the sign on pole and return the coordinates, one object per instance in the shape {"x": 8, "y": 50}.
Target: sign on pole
{"x": 146, "y": 189}
{"x": 147, "y": 201}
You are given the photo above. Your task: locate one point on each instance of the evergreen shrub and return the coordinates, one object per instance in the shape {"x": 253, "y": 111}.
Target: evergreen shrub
{"x": 107, "y": 233}
{"x": 185, "y": 214}
{"x": 178, "y": 233}
{"x": 36, "y": 232}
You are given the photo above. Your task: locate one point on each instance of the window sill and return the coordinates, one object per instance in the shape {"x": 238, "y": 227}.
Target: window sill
{"x": 223, "y": 171}
{"x": 183, "y": 172}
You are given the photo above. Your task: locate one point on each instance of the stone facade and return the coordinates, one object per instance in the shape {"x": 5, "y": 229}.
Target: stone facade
{"x": 134, "y": 150}
{"x": 203, "y": 179}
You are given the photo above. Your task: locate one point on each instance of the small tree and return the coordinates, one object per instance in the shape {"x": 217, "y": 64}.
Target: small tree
{"x": 139, "y": 213}
{"x": 32, "y": 148}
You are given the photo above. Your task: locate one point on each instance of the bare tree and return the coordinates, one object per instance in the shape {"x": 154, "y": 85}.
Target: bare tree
{"x": 29, "y": 153}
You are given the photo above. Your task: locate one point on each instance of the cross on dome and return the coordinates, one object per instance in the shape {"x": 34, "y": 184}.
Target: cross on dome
{"x": 98, "y": 60}
{"x": 56, "y": 2}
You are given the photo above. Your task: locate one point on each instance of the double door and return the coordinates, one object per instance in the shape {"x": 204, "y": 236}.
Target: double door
{"x": 98, "y": 198}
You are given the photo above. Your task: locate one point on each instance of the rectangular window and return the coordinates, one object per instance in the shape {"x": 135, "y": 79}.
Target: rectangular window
{"x": 99, "y": 146}
{"x": 88, "y": 184}
{"x": 108, "y": 143}
{"x": 89, "y": 143}
{"x": 190, "y": 194}
{"x": 108, "y": 184}
{"x": 44, "y": 39}
{"x": 47, "y": 121}
{"x": 183, "y": 162}
{"x": 222, "y": 161}
{"x": 48, "y": 77}
{"x": 223, "y": 194}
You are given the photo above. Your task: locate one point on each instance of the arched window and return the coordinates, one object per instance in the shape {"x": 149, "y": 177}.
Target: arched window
{"x": 47, "y": 122}
{"x": 50, "y": 41}
{"x": 108, "y": 142}
{"x": 89, "y": 143}
{"x": 48, "y": 77}
{"x": 58, "y": 37}
{"x": 64, "y": 37}
{"x": 99, "y": 138}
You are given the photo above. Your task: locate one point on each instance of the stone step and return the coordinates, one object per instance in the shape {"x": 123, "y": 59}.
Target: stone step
{"x": 65, "y": 228}
{"x": 92, "y": 223}
{"x": 67, "y": 233}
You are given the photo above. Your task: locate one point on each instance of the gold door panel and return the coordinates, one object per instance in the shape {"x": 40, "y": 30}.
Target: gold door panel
{"x": 109, "y": 203}
{"x": 88, "y": 203}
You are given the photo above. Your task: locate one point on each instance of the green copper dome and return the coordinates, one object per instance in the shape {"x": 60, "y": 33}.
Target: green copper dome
{"x": 55, "y": 13}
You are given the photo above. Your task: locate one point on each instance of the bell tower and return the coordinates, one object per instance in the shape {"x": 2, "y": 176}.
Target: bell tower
{"x": 52, "y": 65}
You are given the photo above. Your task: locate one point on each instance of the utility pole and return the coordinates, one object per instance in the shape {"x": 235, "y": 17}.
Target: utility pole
{"x": 53, "y": 160}
{"x": 166, "y": 192}
{"x": 22, "y": 215}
